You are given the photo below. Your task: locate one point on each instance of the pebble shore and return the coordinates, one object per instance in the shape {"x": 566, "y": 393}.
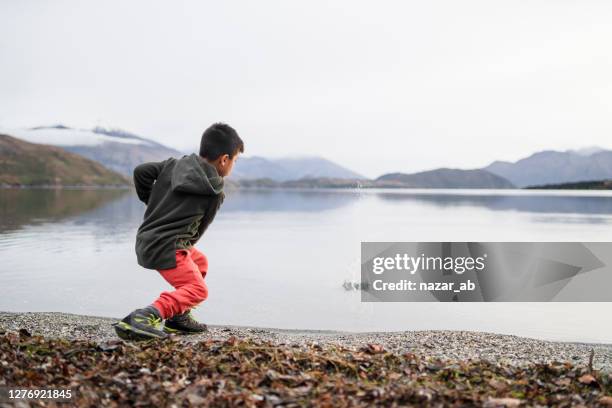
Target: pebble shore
{"x": 444, "y": 344}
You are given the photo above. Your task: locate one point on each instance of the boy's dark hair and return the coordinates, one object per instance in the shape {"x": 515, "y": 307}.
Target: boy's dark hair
{"x": 220, "y": 139}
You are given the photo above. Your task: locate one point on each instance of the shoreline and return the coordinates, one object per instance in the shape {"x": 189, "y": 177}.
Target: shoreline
{"x": 442, "y": 344}
{"x": 517, "y": 191}
{"x": 238, "y": 366}
{"x": 66, "y": 187}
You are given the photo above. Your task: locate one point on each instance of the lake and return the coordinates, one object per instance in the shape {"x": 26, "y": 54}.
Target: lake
{"x": 279, "y": 258}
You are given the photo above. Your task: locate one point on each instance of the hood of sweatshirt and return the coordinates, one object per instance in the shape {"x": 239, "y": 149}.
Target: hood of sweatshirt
{"x": 193, "y": 175}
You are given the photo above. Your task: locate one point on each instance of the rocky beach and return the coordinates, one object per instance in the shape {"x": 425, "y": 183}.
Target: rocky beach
{"x": 271, "y": 367}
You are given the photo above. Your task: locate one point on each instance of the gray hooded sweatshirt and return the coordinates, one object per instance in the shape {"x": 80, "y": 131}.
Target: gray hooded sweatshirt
{"x": 182, "y": 197}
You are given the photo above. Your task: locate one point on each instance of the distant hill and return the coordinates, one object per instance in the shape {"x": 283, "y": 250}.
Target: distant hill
{"x": 444, "y": 178}
{"x": 580, "y": 185}
{"x": 285, "y": 169}
{"x": 302, "y": 183}
{"x": 29, "y": 164}
{"x": 115, "y": 149}
{"x": 554, "y": 167}
{"x": 122, "y": 151}
{"x": 252, "y": 168}
{"x": 440, "y": 178}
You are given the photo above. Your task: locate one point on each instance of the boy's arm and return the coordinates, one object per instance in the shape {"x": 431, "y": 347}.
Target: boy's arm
{"x": 144, "y": 177}
{"x": 209, "y": 215}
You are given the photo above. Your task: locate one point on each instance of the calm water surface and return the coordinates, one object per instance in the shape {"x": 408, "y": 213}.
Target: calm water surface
{"x": 279, "y": 258}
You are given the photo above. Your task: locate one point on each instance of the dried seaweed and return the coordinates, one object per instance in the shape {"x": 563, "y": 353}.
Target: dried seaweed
{"x": 246, "y": 372}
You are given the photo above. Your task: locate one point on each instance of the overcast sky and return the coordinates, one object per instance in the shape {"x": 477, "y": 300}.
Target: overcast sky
{"x": 377, "y": 86}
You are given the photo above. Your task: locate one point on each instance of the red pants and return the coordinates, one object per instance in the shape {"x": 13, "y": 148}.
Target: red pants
{"x": 188, "y": 280}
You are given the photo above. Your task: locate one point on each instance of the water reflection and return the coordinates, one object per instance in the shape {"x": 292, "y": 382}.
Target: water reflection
{"x": 287, "y": 200}
{"x": 523, "y": 203}
{"x": 115, "y": 211}
{"x": 278, "y": 257}
{"x": 20, "y": 207}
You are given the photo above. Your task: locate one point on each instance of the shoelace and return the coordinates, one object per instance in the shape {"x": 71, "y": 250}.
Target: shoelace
{"x": 154, "y": 321}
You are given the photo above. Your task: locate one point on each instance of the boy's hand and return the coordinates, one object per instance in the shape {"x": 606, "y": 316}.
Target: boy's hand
{"x": 144, "y": 178}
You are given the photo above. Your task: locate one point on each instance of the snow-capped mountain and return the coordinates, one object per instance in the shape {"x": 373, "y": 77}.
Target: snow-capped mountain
{"x": 123, "y": 151}
{"x": 64, "y": 136}
{"x": 115, "y": 149}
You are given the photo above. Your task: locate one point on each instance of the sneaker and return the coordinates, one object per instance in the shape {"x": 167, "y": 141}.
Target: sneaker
{"x": 141, "y": 324}
{"x": 184, "y": 323}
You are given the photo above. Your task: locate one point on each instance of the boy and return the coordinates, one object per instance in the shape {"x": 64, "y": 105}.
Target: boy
{"x": 182, "y": 198}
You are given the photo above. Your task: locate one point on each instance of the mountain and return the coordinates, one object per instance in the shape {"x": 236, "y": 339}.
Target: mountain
{"x": 302, "y": 183}
{"x": 115, "y": 149}
{"x": 315, "y": 167}
{"x": 252, "y": 168}
{"x": 23, "y": 163}
{"x": 554, "y": 167}
{"x": 290, "y": 168}
{"x": 444, "y": 178}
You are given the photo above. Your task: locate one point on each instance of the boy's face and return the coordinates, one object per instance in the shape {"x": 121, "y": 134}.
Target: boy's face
{"x": 225, "y": 164}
